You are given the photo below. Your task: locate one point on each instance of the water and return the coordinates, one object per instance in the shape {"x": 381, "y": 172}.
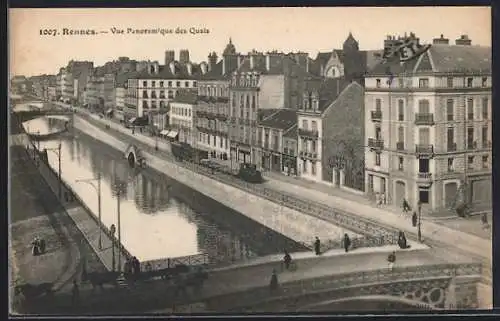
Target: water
{"x": 160, "y": 218}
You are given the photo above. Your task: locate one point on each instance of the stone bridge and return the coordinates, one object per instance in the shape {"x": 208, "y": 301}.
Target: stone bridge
{"x": 134, "y": 156}
{"x": 431, "y": 287}
{"x": 25, "y": 115}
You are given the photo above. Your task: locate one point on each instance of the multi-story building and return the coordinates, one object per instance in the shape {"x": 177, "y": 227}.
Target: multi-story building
{"x": 19, "y": 85}
{"x": 67, "y": 86}
{"x": 278, "y": 152}
{"x": 212, "y": 110}
{"x": 348, "y": 62}
{"x": 51, "y": 92}
{"x": 100, "y": 91}
{"x": 330, "y": 133}
{"x": 40, "y": 85}
{"x": 152, "y": 88}
{"x": 182, "y": 117}
{"x": 428, "y": 131}
{"x": 120, "y": 90}
{"x": 80, "y": 71}
{"x": 271, "y": 81}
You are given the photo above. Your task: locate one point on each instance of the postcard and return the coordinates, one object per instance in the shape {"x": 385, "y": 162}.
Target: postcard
{"x": 250, "y": 160}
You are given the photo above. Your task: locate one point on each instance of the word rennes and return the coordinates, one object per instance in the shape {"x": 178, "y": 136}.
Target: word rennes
{"x": 68, "y": 32}
{"x": 162, "y": 31}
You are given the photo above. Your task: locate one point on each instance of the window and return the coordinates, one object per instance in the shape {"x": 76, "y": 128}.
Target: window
{"x": 377, "y": 159}
{"x": 401, "y": 110}
{"x": 313, "y": 146}
{"x": 304, "y": 166}
{"x": 153, "y": 94}
{"x": 423, "y": 106}
{"x": 449, "y": 82}
{"x": 313, "y": 168}
{"x": 378, "y": 82}
{"x": 170, "y": 94}
{"x": 470, "y": 108}
{"x": 153, "y": 83}
{"x": 470, "y": 138}
{"x": 194, "y": 83}
{"x": 401, "y": 134}
{"x": 186, "y": 84}
{"x": 378, "y": 132}
{"x": 401, "y": 163}
{"x": 423, "y": 165}
{"x": 423, "y": 83}
{"x": 253, "y": 102}
{"x": 449, "y": 109}
{"x": 484, "y": 81}
{"x": 470, "y": 162}
{"x": 484, "y": 136}
{"x": 304, "y": 124}
{"x": 401, "y": 82}
{"x": 485, "y": 161}
{"x": 469, "y": 82}
{"x": 170, "y": 83}
{"x": 144, "y": 83}
{"x": 161, "y": 83}
{"x": 423, "y": 196}
{"x": 233, "y": 102}
{"x": 314, "y": 125}
{"x": 144, "y": 94}
{"x": 485, "y": 108}
{"x": 450, "y": 139}
{"x": 178, "y": 83}
{"x": 451, "y": 166}
{"x": 378, "y": 104}
{"x": 145, "y": 104}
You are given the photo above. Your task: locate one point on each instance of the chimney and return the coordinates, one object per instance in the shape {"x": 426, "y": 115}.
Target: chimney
{"x": 240, "y": 60}
{"x": 184, "y": 56}
{"x": 212, "y": 60}
{"x": 169, "y": 56}
{"x": 268, "y": 62}
{"x": 171, "y": 65}
{"x": 224, "y": 64}
{"x": 203, "y": 67}
{"x": 189, "y": 67}
{"x": 440, "y": 41}
{"x": 252, "y": 61}
{"x": 463, "y": 41}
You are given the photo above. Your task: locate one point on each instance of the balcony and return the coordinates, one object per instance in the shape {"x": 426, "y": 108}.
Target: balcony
{"x": 471, "y": 145}
{"x": 376, "y": 115}
{"x": 424, "y": 179}
{"x": 308, "y": 133}
{"x": 486, "y": 145}
{"x": 375, "y": 143}
{"x": 424, "y": 150}
{"x": 452, "y": 147}
{"x": 424, "y": 119}
{"x": 400, "y": 146}
{"x": 310, "y": 155}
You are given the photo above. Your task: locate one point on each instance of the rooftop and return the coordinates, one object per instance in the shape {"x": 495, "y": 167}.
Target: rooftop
{"x": 442, "y": 58}
{"x": 281, "y": 119}
{"x": 186, "y": 97}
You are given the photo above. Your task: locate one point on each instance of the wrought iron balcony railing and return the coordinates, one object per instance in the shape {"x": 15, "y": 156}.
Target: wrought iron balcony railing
{"x": 424, "y": 119}
{"x": 376, "y": 115}
{"x": 424, "y": 149}
{"x": 375, "y": 143}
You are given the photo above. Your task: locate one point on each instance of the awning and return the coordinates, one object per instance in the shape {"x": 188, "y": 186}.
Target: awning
{"x": 109, "y": 111}
{"x": 131, "y": 120}
{"x": 173, "y": 134}
{"x": 164, "y": 132}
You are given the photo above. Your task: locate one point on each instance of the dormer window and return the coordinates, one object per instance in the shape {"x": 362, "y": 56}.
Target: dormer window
{"x": 378, "y": 83}
{"x": 423, "y": 83}
{"x": 469, "y": 82}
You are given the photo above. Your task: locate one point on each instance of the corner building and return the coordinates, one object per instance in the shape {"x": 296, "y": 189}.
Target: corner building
{"x": 428, "y": 132}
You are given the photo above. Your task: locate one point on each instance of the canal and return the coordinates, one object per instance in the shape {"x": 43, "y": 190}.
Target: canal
{"x": 160, "y": 218}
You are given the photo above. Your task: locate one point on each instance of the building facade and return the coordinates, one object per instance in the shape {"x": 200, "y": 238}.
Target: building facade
{"x": 274, "y": 148}
{"x": 428, "y": 131}
{"x": 330, "y": 134}
{"x": 182, "y": 117}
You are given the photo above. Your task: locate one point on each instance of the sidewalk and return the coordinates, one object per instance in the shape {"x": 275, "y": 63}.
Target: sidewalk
{"x": 470, "y": 225}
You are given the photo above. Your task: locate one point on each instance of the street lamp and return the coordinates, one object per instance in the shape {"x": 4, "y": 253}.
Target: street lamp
{"x": 419, "y": 221}
{"x": 97, "y": 188}
{"x": 58, "y": 152}
{"x": 112, "y": 229}
{"x": 119, "y": 190}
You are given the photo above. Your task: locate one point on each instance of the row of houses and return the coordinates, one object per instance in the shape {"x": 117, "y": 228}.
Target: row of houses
{"x": 418, "y": 130}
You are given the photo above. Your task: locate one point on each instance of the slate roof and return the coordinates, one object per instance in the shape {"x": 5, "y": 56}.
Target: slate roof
{"x": 264, "y": 113}
{"x": 292, "y": 132}
{"x": 283, "y": 119}
{"x": 330, "y": 90}
{"x": 277, "y": 66}
{"x": 122, "y": 78}
{"x": 215, "y": 73}
{"x": 181, "y": 72}
{"x": 442, "y": 58}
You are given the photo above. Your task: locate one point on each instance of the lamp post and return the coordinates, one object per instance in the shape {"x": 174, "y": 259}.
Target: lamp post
{"x": 97, "y": 188}
{"x": 119, "y": 189}
{"x": 419, "y": 221}
{"x": 112, "y": 229}
{"x": 58, "y": 152}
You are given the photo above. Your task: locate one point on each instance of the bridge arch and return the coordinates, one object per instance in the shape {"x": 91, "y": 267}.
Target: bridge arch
{"x": 390, "y": 299}
{"x": 131, "y": 154}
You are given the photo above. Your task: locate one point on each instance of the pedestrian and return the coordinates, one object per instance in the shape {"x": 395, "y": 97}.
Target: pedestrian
{"x": 35, "y": 247}
{"x": 317, "y": 246}
{"x": 402, "y": 240}
{"x": 75, "y": 293}
{"x": 406, "y": 206}
{"x": 273, "y": 285}
{"x": 392, "y": 260}
{"x": 484, "y": 221}
{"x": 287, "y": 259}
{"x": 137, "y": 266}
{"x": 414, "y": 219}
{"x": 347, "y": 242}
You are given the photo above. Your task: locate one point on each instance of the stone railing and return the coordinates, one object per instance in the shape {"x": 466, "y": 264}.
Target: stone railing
{"x": 66, "y": 187}
{"x": 262, "y": 294}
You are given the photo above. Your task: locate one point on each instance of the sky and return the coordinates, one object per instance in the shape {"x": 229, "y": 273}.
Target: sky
{"x": 310, "y": 30}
